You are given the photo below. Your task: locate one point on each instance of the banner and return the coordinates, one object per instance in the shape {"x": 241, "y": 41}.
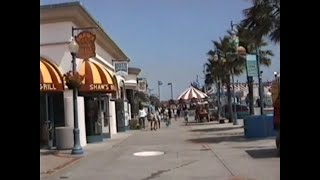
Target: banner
{"x": 121, "y": 67}
{"x": 252, "y": 65}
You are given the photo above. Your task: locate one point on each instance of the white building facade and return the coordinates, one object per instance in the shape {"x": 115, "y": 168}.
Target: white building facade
{"x": 56, "y": 23}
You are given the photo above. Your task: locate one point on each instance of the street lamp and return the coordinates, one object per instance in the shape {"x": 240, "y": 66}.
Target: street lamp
{"x": 242, "y": 53}
{"x": 159, "y": 84}
{"x": 77, "y": 149}
{"x": 219, "y": 97}
{"x": 170, "y": 84}
{"x": 217, "y": 58}
{"x": 235, "y": 43}
{"x": 275, "y": 75}
{"x": 258, "y": 55}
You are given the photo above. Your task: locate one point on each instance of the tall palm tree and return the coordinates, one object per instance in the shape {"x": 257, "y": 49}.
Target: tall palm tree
{"x": 214, "y": 73}
{"x": 233, "y": 64}
{"x": 263, "y": 18}
{"x": 252, "y": 46}
{"x": 221, "y": 70}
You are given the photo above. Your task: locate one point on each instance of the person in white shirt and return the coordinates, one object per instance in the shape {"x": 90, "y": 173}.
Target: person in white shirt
{"x": 142, "y": 116}
{"x": 175, "y": 113}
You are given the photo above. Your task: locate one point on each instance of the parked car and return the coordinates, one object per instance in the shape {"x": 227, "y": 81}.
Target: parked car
{"x": 242, "y": 110}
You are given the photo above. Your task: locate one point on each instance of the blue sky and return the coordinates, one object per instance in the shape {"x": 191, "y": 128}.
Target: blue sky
{"x": 168, "y": 39}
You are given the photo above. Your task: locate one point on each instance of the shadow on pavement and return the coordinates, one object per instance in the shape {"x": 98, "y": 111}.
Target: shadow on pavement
{"x": 218, "y": 139}
{"x": 215, "y": 129}
{"x": 193, "y": 123}
{"x": 263, "y": 153}
{"x": 235, "y": 138}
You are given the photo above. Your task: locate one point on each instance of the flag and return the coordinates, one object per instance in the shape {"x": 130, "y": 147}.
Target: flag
{"x": 160, "y": 83}
{"x": 169, "y": 83}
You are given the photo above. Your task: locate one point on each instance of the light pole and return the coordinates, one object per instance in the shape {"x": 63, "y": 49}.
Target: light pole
{"x": 259, "y": 80}
{"x": 219, "y": 96}
{"x": 159, "y": 84}
{"x": 170, "y": 84}
{"x": 217, "y": 58}
{"x": 235, "y": 42}
{"x": 275, "y": 75}
{"x": 73, "y": 48}
{"x": 77, "y": 149}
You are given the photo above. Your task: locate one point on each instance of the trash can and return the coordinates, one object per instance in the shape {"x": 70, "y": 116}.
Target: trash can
{"x": 64, "y": 138}
{"x": 258, "y": 126}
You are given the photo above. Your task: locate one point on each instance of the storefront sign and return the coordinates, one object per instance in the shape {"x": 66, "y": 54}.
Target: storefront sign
{"x": 87, "y": 48}
{"x": 142, "y": 85}
{"x": 101, "y": 87}
{"x": 252, "y": 65}
{"x": 47, "y": 87}
{"x": 121, "y": 68}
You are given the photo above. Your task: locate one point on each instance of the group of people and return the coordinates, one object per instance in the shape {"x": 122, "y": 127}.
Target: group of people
{"x": 154, "y": 115}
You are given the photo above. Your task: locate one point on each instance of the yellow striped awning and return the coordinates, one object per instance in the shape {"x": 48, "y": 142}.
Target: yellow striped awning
{"x": 51, "y": 79}
{"x": 96, "y": 78}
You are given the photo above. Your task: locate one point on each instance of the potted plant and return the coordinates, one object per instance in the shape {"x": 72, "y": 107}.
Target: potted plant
{"x": 73, "y": 80}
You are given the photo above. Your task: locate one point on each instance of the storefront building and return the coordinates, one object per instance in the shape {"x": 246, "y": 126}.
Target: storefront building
{"x": 101, "y": 88}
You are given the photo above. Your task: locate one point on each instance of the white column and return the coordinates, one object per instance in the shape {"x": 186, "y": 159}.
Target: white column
{"x": 113, "y": 123}
{"x": 82, "y": 123}
{"x": 129, "y": 106}
{"x": 126, "y": 114}
{"x": 105, "y": 129}
{"x": 68, "y": 115}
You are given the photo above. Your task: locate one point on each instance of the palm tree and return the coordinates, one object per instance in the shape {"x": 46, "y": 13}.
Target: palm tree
{"x": 232, "y": 63}
{"x": 263, "y": 18}
{"x": 252, "y": 46}
{"x": 139, "y": 98}
{"x": 215, "y": 73}
{"x": 221, "y": 70}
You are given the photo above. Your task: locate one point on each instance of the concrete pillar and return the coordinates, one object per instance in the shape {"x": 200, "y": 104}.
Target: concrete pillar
{"x": 113, "y": 123}
{"x": 106, "y": 126}
{"x": 68, "y": 114}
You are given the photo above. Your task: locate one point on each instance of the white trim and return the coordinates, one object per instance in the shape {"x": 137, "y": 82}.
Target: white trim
{"x": 99, "y": 59}
{"x": 131, "y": 81}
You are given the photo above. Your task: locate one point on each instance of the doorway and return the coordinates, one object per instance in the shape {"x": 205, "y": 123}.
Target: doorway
{"x": 51, "y": 116}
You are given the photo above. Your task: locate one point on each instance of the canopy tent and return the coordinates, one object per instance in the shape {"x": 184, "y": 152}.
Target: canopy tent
{"x": 192, "y": 93}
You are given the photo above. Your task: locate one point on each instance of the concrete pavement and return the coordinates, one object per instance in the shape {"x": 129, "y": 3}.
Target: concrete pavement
{"x": 256, "y": 158}
{"x": 197, "y": 151}
{"x": 52, "y": 161}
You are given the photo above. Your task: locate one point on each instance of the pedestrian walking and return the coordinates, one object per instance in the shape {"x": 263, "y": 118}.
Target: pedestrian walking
{"x": 142, "y": 116}
{"x": 175, "y": 113}
{"x": 151, "y": 117}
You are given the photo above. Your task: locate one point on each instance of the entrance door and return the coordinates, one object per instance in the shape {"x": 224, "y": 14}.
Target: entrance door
{"x": 44, "y": 124}
{"x": 93, "y": 119}
{"x": 120, "y": 115}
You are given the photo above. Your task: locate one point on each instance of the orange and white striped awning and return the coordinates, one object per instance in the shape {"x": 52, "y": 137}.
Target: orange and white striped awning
{"x": 51, "y": 79}
{"x": 96, "y": 78}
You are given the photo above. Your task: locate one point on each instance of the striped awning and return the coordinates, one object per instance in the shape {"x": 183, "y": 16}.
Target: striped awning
{"x": 96, "y": 78}
{"x": 192, "y": 93}
{"x": 51, "y": 79}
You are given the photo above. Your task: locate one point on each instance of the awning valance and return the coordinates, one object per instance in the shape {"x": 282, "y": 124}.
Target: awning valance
{"x": 51, "y": 79}
{"x": 96, "y": 78}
